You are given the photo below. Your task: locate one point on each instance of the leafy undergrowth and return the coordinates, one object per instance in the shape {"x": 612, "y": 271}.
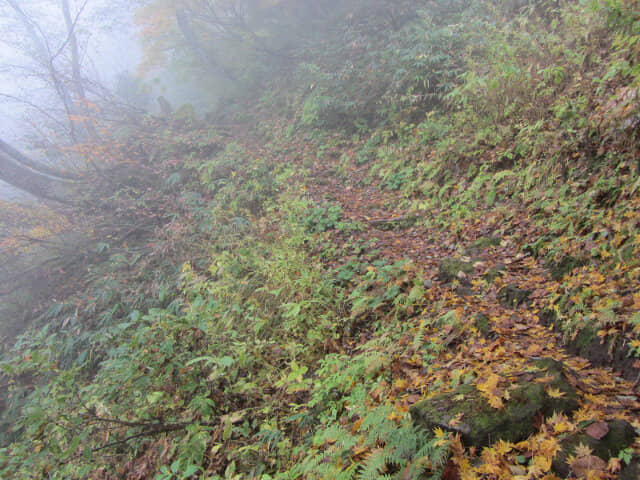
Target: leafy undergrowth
{"x": 313, "y": 285}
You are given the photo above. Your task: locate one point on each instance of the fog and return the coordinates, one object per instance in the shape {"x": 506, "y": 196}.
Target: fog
{"x": 287, "y": 239}
{"x": 107, "y": 46}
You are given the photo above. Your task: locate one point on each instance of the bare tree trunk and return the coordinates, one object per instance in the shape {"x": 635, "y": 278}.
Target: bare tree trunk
{"x": 45, "y": 57}
{"x": 29, "y": 163}
{"x": 78, "y": 86}
{"x": 75, "y": 56}
{"x": 41, "y": 185}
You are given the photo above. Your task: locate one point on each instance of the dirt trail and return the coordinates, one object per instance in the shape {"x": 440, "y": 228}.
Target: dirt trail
{"x": 517, "y": 335}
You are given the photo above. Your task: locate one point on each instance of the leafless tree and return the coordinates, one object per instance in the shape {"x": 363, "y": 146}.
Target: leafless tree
{"x": 57, "y": 63}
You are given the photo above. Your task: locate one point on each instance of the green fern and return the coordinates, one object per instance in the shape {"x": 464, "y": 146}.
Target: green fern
{"x": 503, "y": 174}
{"x": 374, "y": 466}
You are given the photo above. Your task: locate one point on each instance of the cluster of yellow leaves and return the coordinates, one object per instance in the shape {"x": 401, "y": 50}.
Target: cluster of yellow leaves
{"x": 489, "y": 389}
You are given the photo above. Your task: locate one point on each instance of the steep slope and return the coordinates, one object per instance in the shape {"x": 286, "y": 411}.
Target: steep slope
{"x": 428, "y": 238}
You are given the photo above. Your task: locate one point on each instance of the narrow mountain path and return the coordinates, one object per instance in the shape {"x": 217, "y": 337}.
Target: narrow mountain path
{"x": 515, "y": 336}
{"x": 496, "y": 355}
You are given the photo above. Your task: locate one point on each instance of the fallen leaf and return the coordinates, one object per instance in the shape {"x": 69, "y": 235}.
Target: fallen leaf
{"x": 450, "y": 472}
{"x": 581, "y": 466}
{"x": 614, "y": 465}
{"x": 517, "y": 470}
{"x": 556, "y": 393}
{"x": 598, "y": 430}
{"x": 455, "y": 421}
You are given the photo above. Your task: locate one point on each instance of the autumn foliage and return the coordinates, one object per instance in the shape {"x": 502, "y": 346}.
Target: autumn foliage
{"x": 432, "y": 205}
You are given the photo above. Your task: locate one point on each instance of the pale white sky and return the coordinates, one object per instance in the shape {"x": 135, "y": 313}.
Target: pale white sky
{"x": 107, "y": 43}
{"x": 108, "y": 48}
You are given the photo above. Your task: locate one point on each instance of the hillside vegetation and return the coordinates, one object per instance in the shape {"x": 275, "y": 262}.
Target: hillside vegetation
{"x": 410, "y": 251}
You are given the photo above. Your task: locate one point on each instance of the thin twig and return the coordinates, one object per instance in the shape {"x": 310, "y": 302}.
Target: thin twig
{"x": 71, "y": 32}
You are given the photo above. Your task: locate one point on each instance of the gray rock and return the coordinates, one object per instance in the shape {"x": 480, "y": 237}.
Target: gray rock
{"x": 512, "y": 296}
{"x": 450, "y": 269}
{"x": 481, "y": 244}
{"x": 479, "y": 424}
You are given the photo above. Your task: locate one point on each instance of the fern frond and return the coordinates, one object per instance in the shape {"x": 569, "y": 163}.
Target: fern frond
{"x": 501, "y": 175}
{"x": 374, "y": 466}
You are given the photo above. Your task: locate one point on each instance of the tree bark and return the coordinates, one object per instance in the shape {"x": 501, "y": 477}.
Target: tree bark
{"x": 45, "y": 57}
{"x": 39, "y": 167}
{"x": 41, "y": 185}
{"x": 76, "y": 70}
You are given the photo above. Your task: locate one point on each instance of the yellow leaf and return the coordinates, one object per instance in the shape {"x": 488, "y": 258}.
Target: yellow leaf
{"x": 401, "y": 384}
{"x": 549, "y": 447}
{"x": 555, "y": 392}
{"x": 394, "y": 416}
{"x": 561, "y": 427}
{"x": 543, "y": 464}
{"x": 614, "y": 465}
{"x": 490, "y": 389}
{"x": 495, "y": 402}
{"x": 502, "y": 447}
{"x": 583, "y": 451}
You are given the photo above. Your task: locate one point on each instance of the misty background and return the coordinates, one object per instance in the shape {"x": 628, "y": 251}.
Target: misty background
{"x": 109, "y": 57}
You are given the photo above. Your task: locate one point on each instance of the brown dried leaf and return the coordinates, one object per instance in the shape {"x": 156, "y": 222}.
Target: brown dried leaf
{"x": 582, "y": 465}
{"x": 598, "y": 430}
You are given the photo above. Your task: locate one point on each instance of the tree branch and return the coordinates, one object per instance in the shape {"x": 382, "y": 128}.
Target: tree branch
{"x": 71, "y": 32}
{"x": 36, "y": 107}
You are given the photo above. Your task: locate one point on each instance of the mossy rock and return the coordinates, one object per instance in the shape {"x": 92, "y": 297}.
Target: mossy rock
{"x": 587, "y": 344}
{"x": 186, "y": 115}
{"x": 479, "y": 245}
{"x": 586, "y": 339}
{"x": 631, "y": 471}
{"x": 465, "y": 291}
{"x": 549, "y": 318}
{"x": 450, "y": 268}
{"x": 481, "y": 322}
{"x": 512, "y": 296}
{"x": 621, "y": 435}
{"x": 563, "y": 266}
{"x": 395, "y": 224}
{"x": 495, "y": 272}
{"x": 627, "y": 252}
{"x": 536, "y": 248}
{"x": 481, "y": 425}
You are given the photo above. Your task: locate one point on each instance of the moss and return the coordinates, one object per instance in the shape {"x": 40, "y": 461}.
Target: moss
{"x": 564, "y": 266}
{"x": 627, "y": 253}
{"x": 549, "y": 317}
{"x": 621, "y": 435}
{"x": 481, "y": 322}
{"x": 481, "y": 424}
{"x": 482, "y": 243}
{"x": 449, "y": 269}
{"x": 512, "y": 296}
{"x": 494, "y": 273}
{"x": 585, "y": 339}
{"x": 395, "y": 224}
